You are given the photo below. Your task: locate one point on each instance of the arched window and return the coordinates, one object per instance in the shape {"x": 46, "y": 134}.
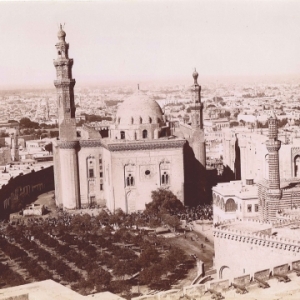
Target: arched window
{"x": 230, "y": 205}
{"x": 165, "y": 178}
{"x": 122, "y": 134}
{"x": 297, "y": 165}
{"x": 129, "y": 180}
{"x": 131, "y": 120}
{"x": 150, "y": 120}
{"x": 119, "y": 119}
{"x": 145, "y": 134}
{"x": 141, "y": 120}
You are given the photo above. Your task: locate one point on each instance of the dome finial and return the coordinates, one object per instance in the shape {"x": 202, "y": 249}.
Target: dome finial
{"x": 61, "y": 34}
{"x": 195, "y": 76}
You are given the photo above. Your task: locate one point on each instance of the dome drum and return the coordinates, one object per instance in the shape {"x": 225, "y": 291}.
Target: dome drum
{"x": 138, "y": 117}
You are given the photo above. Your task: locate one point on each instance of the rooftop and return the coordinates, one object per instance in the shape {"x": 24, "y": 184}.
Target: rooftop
{"x": 236, "y": 188}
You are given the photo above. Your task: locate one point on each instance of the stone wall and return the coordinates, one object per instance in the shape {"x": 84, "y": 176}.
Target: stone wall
{"x": 281, "y": 270}
{"x": 262, "y": 275}
{"x": 22, "y": 188}
{"x": 242, "y": 280}
{"x": 252, "y": 248}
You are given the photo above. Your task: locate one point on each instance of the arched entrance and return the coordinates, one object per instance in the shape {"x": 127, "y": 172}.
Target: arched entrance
{"x": 224, "y": 273}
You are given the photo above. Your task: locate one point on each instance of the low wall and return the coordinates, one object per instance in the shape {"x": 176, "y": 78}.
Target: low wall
{"x": 219, "y": 285}
{"x": 281, "y": 270}
{"x": 242, "y": 280}
{"x": 198, "y": 290}
{"x": 262, "y": 275}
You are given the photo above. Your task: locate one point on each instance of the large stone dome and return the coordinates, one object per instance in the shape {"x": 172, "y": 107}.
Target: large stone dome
{"x": 139, "y": 109}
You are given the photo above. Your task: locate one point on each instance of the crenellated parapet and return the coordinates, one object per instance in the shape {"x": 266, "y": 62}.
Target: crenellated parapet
{"x": 145, "y": 145}
{"x": 257, "y": 238}
{"x": 273, "y": 146}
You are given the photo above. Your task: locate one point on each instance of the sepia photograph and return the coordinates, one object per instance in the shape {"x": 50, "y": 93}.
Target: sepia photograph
{"x": 150, "y": 150}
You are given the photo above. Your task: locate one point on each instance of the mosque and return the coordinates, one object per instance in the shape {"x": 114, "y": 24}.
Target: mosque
{"x": 139, "y": 155}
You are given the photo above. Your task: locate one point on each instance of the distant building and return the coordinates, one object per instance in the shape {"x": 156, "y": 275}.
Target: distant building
{"x": 259, "y": 222}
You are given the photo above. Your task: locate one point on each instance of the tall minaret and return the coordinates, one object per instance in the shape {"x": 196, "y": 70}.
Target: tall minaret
{"x": 274, "y": 192}
{"x": 65, "y": 151}
{"x": 65, "y": 89}
{"x": 198, "y": 142}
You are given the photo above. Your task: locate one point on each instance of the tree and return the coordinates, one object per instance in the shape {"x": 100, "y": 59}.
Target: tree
{"x": 171, "y": 221}
{"x": 27, "y": 123}
{"x": 54, "y": 133}
{"x": 100, "y": 278}
{"x": 49, "y": 148}
{"x": 151, "y": 274}
{"x": 149, "y": 256}
{"x": 163, "y": 200}
{"x": 227, "y": 113}
{"x": 234, "y": 124}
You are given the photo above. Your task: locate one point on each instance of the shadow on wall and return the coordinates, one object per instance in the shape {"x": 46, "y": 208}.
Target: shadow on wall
{"x": 197, "y": 189}
{"x": 199, "y": 181}
{"x": 237, "y": 162}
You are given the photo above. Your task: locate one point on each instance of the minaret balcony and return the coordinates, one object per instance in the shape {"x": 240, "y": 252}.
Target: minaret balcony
{"x": 273, "y": 145}
{"x": 64, "y": 82}
{"x": 61, "y": 61}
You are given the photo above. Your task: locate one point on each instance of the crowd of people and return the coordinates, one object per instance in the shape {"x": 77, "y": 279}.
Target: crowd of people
{"x": 200, "y": 212}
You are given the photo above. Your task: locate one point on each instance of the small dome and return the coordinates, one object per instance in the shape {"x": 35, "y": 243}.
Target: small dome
{"x": 139, "y": 109}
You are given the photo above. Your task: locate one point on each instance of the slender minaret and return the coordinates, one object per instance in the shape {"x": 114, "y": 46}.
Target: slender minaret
{"x": 47, "y": 117}
{"x": 65, "y": 151}
{"x": 198, "y": 142}
{"x": 64, "y": 84}
{"x": 274, "y": 192}
{"x": 14, "y": 147}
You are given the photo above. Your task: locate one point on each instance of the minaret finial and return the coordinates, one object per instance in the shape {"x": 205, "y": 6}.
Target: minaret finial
{"x": 195, "y": 76}
{"x": 61, "y": 34}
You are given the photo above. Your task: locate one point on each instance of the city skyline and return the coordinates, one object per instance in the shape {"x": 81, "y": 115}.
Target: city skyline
{"x": 138, "y": 41}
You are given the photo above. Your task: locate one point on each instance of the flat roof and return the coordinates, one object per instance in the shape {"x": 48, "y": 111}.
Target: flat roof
{"x": 237, "y": 189}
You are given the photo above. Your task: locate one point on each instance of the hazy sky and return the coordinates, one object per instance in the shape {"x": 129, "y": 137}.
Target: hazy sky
{"x": 149, "y": 40}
